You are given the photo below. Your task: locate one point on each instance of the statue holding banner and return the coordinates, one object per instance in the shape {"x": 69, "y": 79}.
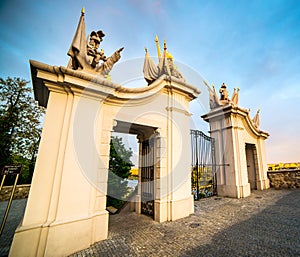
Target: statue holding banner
{"x": 86, "y": 56}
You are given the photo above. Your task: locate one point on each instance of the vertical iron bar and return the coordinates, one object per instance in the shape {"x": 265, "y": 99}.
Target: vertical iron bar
{"x": 201, "y": 149}
{"x": 192, "y": 172}
{"x": 214, "y": 165}
{"x": 197, "y": 168}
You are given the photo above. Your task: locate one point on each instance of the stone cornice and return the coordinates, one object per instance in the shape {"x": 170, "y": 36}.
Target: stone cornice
{"x": 174, "y": 109}
{"x": 229, "y": 110}
{"x": 86, "y": 84}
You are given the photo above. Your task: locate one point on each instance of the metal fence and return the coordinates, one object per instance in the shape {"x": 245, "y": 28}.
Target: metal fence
{"x": 204, "y": 183}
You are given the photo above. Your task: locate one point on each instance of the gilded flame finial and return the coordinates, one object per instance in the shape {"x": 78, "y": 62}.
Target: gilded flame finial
{"x": 165, "y": 66}
{"x": 157, "y": 46}
{"x": 82, "y": 10}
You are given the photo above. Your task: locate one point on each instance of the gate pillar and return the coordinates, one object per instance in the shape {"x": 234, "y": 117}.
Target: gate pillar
{"x": 66, "y": 208}
{"x": 233, "y": 130}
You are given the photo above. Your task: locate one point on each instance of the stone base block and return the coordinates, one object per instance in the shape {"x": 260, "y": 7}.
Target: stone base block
{"x": 59, "y": 238}
{"x": 138, "y": 208}
{"x": 176, "y": 209}
{"x": 160, "y": 211}
{"x": 182, "y": 208}
{"x": 263, "y": 184}
{"x": 234, "y": 191}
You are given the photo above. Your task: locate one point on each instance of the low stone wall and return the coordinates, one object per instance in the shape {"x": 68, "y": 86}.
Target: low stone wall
{"x": 284, "y": 178}
{"x": 21, "y": 192}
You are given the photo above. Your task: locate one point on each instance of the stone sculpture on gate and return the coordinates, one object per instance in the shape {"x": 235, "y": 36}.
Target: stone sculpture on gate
{"x": 165, "y": 66}
{"x": 86, "y": 56}
{"x": 240, "y": 149}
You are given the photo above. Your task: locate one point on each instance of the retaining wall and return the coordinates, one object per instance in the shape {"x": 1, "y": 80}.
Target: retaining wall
{"x": 284, "y": 178}
{"x": 21, "y": 192}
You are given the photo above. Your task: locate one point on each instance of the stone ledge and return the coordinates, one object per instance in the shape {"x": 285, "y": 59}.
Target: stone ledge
{"x": 21, "y": 192}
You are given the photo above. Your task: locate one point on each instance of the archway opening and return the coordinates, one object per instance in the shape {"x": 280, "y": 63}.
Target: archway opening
{"x": 252, "y": 167}
{"x": 142, "y": 197}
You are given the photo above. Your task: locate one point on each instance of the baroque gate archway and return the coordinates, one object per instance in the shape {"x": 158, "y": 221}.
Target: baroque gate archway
{"x": 66, "y": 208}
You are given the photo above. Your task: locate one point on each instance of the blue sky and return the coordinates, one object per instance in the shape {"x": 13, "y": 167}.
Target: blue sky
{"x": 254, "y": 45}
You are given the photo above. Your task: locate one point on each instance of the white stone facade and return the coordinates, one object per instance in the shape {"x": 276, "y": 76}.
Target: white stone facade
{"x": 240, "y": 151}
{"x": 66, "y": 208}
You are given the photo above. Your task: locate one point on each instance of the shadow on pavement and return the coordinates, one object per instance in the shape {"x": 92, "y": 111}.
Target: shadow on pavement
{"x": 14, "y": 218}
{"x": 275, "y": 231}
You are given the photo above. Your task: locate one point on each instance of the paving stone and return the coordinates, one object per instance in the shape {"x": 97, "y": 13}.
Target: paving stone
{"x": 267, "y": 223}
{"x": 15, "y": 216}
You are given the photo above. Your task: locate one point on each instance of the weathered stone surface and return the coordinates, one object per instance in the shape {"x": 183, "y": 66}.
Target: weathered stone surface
{"x": 284, "y": 178}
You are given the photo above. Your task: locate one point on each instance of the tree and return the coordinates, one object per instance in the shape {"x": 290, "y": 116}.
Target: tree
{"x": 20, "y": 125}
{"x": 119, "y": 170}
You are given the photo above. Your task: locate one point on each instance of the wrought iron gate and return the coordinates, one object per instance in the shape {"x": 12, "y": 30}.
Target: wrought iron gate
{"x": 204, "y": 182}
{"x": 147, "y": 178}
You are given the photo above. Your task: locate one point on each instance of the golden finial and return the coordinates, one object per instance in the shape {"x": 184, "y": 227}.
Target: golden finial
{"x": 238, "y": 89}
{"x": 82, "y": 10}
{"x": 213, "y": 85}
{"x": 165, "y": 44}
{"x": 169, "y": 56}
{"x": 258, "y": 111}
{"x": 157, "y": 46}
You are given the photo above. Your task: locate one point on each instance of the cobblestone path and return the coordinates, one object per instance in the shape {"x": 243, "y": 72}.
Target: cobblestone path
{"x": 14, "y": 217}
{"x": 265, "y": 224}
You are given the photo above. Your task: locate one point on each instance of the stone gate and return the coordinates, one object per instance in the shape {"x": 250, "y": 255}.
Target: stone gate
{"x": 240, "y": 145}
{"x": 66, "y": 208}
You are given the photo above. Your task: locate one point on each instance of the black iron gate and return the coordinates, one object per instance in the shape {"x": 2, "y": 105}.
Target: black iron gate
{"x": 147, "y": 178}
{"x": 204, "y": 181}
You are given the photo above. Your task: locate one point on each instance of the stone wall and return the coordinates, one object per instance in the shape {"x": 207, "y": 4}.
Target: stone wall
{"x": 21, "y": 192}
{"x": 284, "y": 178}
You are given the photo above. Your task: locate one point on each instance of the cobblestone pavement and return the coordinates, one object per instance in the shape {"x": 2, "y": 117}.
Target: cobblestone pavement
{"x": 14, "y": 218}
{"x": 265, "y": 224}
